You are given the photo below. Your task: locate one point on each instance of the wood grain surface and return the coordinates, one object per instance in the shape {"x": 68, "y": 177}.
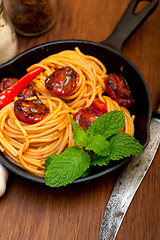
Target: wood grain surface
{"x": 32, "y": 211}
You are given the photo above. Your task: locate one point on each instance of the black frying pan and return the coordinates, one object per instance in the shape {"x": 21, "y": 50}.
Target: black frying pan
{"x": 109, "y": 52}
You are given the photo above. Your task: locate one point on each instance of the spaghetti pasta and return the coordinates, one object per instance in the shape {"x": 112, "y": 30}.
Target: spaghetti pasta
{"x": 28, "y": 145}
{"x": 90, "y": 70}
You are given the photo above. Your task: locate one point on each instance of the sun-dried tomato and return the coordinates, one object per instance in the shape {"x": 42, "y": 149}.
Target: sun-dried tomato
{"x": 84, "y": 117}
{"x": 98, "y": 104}
{"x": 30, "y": 111}
{"x": 9, "y": 82}
{"x": 62, "y": 82}
{"x": 117, "y": 88}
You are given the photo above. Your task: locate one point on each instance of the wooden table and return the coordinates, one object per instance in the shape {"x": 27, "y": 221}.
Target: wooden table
{"x": 32, "y": 211}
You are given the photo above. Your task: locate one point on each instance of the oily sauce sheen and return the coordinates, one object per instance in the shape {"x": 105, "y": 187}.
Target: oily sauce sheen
{"x": 62, "y": 82}
{"x": 30, "y": 111}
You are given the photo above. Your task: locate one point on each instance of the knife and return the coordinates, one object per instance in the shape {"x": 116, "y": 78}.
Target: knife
{"x": 128, "y": 182}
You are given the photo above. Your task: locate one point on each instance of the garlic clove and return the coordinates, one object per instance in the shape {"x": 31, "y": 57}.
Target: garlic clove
{"x": 4, "y": 171}
{"x": 3, "y": 179}
{"x": 2, "y": 185}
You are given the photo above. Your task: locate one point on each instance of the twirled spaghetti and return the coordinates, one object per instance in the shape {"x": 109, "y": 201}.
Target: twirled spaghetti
{"x": 91, "y": 74}
{"x": 28, "y": 145}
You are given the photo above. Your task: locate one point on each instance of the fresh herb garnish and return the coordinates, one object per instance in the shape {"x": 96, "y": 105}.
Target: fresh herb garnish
{"x": 101, "y": 143}
{"x": 66, "y": 167}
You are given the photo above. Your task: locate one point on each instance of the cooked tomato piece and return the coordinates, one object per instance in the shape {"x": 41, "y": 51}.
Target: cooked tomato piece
{"x": 27, "y": 92}
{"x": 62, "y": 82}
{"x": 98, "y": 104}
{"x": 84, "y": 117}
{"x": 6, "y": 83}
{"x": 30, "y": 111}
{"x": 117, "y": 88}
{"x": 9, "y": 82}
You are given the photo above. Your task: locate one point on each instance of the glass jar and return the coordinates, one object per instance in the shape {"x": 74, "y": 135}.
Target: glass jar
{"x": 8, "y": 39}
{"x": 31, "y": 17}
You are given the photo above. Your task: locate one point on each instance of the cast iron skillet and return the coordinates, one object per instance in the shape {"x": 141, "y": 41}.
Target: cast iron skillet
{"x": 109, "y": 52}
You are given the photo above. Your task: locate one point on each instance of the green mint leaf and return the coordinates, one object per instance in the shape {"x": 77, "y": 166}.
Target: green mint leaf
{"x": 86, "y": 173}
{"x": 107, "y": 125}
{"x": 99, "y": 145}
{"x": 67, "y": 167}
{"x": 49, "y": 159}
{"x": 99, "y": 160}
{"x": 123, "y": 145}
{"x": 79, "y": 136}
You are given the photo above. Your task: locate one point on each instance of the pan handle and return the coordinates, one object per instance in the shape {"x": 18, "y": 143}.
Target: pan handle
{"x": 129, "y": 23}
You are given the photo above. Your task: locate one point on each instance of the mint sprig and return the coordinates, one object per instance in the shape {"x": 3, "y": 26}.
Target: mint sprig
{"x": 80, "y": 137}
{"x": 66, "y": 167}
{"x": 123, "y": 145}
{"x": 107, "y": 124}
{"x": 101, "y": 143}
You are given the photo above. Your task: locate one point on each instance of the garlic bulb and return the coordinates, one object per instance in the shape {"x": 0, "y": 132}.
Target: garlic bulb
{"x": 3, "y": 179}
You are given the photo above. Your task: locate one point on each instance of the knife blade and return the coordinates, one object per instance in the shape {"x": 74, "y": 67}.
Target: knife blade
{"x": 127, "y": 184}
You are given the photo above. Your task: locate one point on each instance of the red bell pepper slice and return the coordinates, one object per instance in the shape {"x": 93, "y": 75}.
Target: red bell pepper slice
{"x": 9, "y": 94}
